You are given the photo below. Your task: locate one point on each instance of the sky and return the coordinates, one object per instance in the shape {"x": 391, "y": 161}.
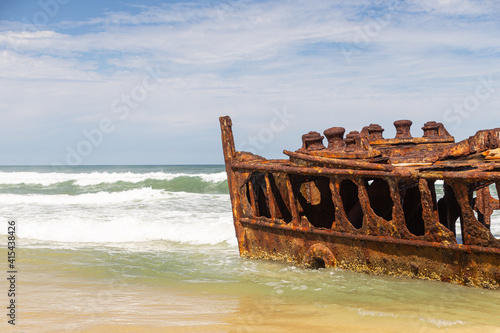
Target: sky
{"x": 100, "y": 82}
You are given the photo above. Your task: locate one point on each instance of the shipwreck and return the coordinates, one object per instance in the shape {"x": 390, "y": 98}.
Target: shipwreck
{"x": 406, "y": 206}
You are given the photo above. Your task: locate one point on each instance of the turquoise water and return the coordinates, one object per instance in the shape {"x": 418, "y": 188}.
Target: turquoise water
{"x": 140, "y": 232}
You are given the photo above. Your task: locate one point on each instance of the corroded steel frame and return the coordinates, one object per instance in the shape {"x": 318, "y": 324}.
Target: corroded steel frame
{"x": 269, "y": 198}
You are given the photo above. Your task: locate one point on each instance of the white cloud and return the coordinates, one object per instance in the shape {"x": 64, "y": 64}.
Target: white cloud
{"x": 14, "y": 66}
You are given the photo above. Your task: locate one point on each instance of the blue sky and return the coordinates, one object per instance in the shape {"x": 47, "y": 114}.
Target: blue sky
{"x": 144, "y": 82}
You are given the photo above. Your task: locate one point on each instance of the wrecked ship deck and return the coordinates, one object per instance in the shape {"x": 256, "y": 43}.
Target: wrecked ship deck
{"x": 370, "y": 204}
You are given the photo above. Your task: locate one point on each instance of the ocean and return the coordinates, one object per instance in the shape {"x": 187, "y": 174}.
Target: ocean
{"x": 152, "y": 249}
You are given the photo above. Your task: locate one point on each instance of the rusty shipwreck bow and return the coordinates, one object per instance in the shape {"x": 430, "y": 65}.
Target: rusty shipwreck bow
{"x": 369, "y": 204}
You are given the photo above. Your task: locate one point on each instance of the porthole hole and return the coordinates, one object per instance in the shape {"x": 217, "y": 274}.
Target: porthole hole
{"x": 317, "y": 263}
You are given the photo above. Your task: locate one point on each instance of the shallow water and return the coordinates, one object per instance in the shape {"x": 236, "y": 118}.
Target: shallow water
{"x": 100, "y": 250}
{"x": 180, "y": 287}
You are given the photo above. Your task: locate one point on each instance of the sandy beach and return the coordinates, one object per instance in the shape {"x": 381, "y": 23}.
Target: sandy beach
{"x": 64, "y": 301}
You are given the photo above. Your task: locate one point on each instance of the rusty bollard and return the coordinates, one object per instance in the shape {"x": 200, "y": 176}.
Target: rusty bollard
{"x": 312, "y": 141}
{"x": 375, "y": 132}
{"x": 353, "y": 142}
{"x": 431, "y": 129}
{"x": 403, "y": 129}
{"x": 335, "y": 137}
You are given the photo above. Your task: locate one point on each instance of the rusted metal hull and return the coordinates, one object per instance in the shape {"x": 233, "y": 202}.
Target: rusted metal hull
{"x": 459, "y": 264}
{"x": 319, "y": 210}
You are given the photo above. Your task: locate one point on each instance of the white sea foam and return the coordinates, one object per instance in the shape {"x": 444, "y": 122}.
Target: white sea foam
{"x": 144, "y": 199}
{"x": 370, "y": 313}
{"x": 195, "y": 229}
{"x": 100, "y": 198}
{"x": 440, "y": 323}
{"x": 94, "y": 178}
{"x": 135, "y": 215}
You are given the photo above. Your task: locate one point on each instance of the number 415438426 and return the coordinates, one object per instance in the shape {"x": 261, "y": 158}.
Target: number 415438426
{"x": 11, "y": 244}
